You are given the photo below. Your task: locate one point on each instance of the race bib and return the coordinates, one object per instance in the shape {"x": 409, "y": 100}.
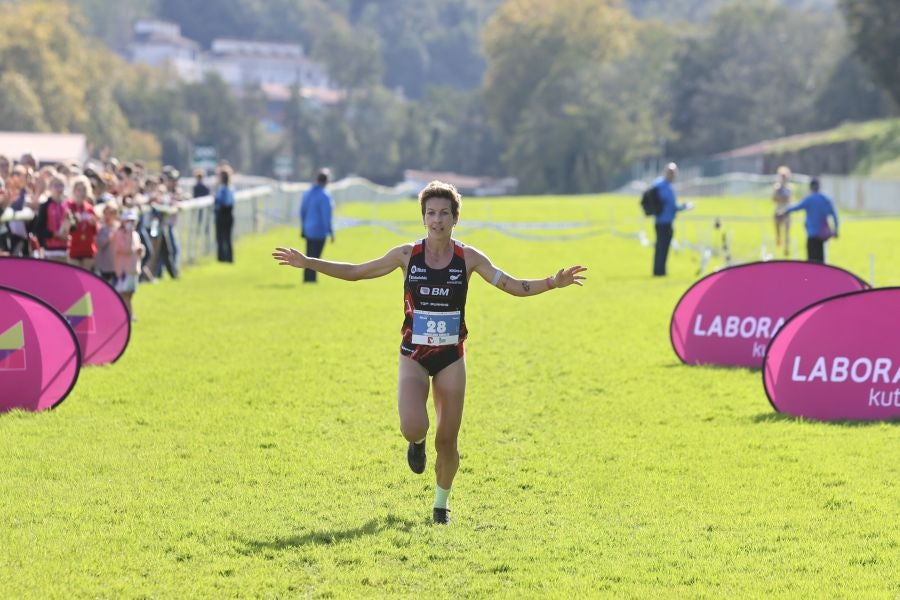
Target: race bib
{"x": 435, "y": 328}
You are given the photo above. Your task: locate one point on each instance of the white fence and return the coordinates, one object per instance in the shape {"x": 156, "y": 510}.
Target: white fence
{"x": 262, "y": 207}
{"x": 872, "y": 196}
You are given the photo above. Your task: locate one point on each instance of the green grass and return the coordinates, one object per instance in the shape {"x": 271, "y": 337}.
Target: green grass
{"x": 247, "y": 443}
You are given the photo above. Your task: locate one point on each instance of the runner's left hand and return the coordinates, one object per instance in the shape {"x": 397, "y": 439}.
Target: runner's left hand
{"x": 566, "y": 277}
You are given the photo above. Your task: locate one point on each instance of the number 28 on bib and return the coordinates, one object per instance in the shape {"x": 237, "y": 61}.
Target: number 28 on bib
{"x": 435, "y": 328}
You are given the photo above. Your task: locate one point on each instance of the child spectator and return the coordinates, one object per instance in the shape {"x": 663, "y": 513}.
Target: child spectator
{"x": 129, "y": 251}
{"x": 105, "y": 265}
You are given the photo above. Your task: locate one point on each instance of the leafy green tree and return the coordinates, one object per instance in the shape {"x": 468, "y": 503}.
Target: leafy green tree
{"x": 702, "y": 10}
{"x": 352, "y": 56}
{"x": 221, "y": 120}
{"x": 457, "y": 134}
{"x": 562, "y": 90}
{"x": 68, "y": 83}
{"x": 753, "y": 74}
{"x": 20, "y": 106}
{"x": 337, "y": 148}
{"x": 874, "y": 27}
{"x": 303, "y": 132}
{"x": 531, "y": 47}
{"x": 154, "y": 101}
{"x": 375, "y": 118}
{"x": 113, "y": 21}
{"x": 430, "y": 42}
{"x": 850, "y": 93}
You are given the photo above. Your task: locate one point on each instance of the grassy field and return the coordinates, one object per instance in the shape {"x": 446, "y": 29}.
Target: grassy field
{"x": 247, "y": 443}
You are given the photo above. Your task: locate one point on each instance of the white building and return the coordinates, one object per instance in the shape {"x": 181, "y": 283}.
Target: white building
{"x": 238, "y": 62}
{"x": 159, "y": 42}
{"x": 243, "y": 62}
{"x": 47, "y": 148}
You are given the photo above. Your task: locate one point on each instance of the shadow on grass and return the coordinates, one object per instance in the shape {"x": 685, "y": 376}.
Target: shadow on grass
{"x": 329, "y": 537}
{"x": 276, "y": 286}
{"x": 776, "y": 417}
{"x": 679, "y": 364}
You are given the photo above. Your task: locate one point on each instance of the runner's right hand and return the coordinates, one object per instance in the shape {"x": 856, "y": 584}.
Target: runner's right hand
{"x": 290, "y": 257}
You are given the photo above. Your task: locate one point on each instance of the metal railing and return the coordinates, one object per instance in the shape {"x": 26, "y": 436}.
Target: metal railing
{"x": 862, "y": 194}
{"x": 260, "y": 208}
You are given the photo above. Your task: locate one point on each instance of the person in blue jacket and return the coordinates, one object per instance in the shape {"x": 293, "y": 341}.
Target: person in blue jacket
{"x": 666, "y": 217}
{"x": 818, "y": 207}
{"x": 315, "y": 220}
{"x": 223, "y": 207}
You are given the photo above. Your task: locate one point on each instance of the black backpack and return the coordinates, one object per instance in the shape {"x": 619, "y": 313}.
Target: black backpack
{"x": 651, "y": 202}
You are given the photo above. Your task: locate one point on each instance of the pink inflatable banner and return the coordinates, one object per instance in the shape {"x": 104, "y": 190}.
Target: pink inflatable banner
{"x": 39, "y": 358}
{"x": 838, "y": 359}
{"x": 727, "y": 318}
{"x": 97, "y": 314}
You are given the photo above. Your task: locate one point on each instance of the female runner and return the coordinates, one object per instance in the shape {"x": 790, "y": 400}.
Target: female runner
{"x": 436, "y": 278}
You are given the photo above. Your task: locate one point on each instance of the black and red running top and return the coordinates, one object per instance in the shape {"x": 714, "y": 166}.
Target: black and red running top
{"x": 434, "y": 301}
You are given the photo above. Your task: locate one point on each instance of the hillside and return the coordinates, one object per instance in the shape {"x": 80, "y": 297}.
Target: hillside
{"x": 869, "y": 148}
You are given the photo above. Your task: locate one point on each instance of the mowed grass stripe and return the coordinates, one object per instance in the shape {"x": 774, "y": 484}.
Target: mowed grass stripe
{"x": 247, "y": 443}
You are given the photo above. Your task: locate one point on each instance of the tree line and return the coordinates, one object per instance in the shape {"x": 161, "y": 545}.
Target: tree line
{"x": 561, "y": 95}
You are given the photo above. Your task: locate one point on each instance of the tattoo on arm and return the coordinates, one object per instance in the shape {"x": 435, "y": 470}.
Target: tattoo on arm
{"x": 526, "y": 286}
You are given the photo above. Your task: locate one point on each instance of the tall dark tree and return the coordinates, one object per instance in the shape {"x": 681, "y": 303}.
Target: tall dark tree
{"x": 753, "y": 74}
{"x": 220, "y": 119}
{"x": 874, "y": 27}
{"x": 850, "y": 93}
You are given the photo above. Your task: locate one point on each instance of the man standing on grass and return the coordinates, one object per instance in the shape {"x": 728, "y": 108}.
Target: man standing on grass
{"x": 818, "y": 207}
{"x": 665, "y": 218}
{"x": 315, "y": 220}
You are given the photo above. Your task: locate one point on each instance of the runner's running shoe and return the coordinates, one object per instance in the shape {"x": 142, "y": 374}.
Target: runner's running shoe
{"x": 415, "y": 456}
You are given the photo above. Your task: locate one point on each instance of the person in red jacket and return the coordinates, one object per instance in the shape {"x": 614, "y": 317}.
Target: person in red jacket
{"x": 83, "y": 238}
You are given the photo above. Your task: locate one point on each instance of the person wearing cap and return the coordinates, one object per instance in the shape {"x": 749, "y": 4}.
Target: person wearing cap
{"x": 128, "y": 253}
{"x": 315, "y": 220}
{"x": 818, "y": 208}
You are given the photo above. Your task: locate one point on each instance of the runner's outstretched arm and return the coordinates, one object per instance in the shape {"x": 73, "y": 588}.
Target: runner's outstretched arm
{"x": 482, "y": 265}
{"x": 395, "y": 258}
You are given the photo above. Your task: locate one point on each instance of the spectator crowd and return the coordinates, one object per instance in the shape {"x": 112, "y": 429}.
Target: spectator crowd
{"x": 115, "y": 219}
